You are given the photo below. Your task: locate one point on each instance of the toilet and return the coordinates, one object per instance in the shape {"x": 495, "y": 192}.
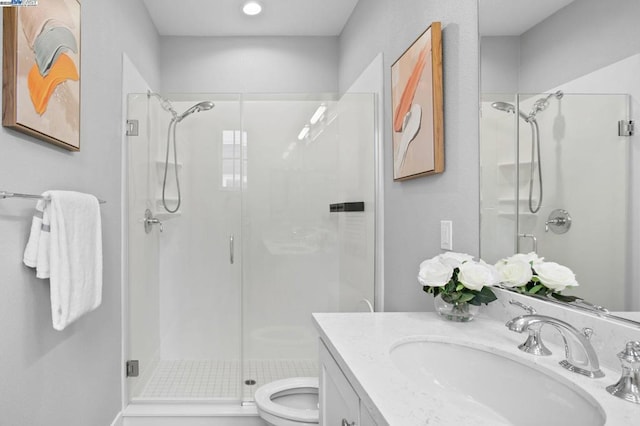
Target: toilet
{"x": 289, "y": 402}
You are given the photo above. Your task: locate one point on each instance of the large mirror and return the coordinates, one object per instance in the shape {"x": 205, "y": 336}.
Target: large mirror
{"x": 560, "y": 88}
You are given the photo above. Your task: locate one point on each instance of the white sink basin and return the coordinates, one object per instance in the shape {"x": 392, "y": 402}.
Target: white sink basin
{"x": 493, "y": 385}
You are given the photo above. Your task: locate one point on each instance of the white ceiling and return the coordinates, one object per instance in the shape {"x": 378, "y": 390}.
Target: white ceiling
{"x": 514, "y": 17}
{"x": 225, "y": 17}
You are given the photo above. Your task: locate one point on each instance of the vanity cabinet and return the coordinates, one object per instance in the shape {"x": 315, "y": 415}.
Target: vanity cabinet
{"x": 340, "y": 405}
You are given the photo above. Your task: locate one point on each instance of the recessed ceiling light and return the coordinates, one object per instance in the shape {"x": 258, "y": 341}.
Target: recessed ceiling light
{"x": 252, "y": 8}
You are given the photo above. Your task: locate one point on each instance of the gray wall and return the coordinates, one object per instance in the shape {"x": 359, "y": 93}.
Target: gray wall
{"x": 414, "y": 208}
{"x": 499, "y": 64}
{"x": 249, "y": 64}
{"x": 70, "y": 377}
{"x": 581, "y": 38}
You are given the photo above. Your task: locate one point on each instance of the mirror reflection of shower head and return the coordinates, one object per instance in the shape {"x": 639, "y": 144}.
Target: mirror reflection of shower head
{"x": 542, "y": 103}
{"x": 202, "y": 106}
{"x": 509, "y": 108}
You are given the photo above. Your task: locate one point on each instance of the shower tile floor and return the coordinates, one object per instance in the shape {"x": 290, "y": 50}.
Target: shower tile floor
{"x": 219, "y": 380}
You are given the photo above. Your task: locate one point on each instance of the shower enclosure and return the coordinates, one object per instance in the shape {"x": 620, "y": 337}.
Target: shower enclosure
{"x": 555, "y": 179}
{"x": 221, "y": 291}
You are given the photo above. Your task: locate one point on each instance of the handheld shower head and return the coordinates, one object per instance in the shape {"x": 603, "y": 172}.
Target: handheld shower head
{"x": 542, "y": 103}
{"x": 202, "y": 106}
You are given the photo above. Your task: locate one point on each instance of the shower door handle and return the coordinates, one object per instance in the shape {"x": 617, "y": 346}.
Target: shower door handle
{"x": 231, "y": 249}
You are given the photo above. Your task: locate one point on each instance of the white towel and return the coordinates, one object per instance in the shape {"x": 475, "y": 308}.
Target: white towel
{"x": 36, "y": 254}
{"x": 70, "y": 255}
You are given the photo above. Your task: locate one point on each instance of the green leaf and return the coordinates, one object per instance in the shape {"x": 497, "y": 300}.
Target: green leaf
{"x": 563, "y": 298}
{"x": 455, "y": 296}
{"x": 535, "y": 289}
{"x": 485, "y": 296}
{"x": 459, "y": 287}
{"x": 450, "y": 286}
{"x": 466, "y": 297}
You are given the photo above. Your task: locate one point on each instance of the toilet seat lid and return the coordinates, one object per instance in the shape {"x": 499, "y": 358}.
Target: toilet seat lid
{"x": 265, "y": 393}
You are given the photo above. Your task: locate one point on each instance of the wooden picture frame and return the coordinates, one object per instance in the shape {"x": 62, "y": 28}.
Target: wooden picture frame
{"x": 41, "y": 71}
{"x": 417, "y": 108}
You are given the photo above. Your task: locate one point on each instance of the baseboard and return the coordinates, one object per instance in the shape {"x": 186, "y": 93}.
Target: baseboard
{"x": 118, "y": 420}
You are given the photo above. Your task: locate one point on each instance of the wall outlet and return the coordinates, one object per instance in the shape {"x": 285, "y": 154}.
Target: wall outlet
{"x": 446, "y": 234}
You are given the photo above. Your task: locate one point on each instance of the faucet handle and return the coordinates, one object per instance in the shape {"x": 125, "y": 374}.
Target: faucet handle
{"x": 587, "y": 332}
{"x": 631, "y": 354}
{"x": 533, "y": 345}
{"x": 628, "y": 387}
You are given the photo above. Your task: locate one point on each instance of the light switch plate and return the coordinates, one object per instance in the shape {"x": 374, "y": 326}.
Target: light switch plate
{"x": 446, "y": 234}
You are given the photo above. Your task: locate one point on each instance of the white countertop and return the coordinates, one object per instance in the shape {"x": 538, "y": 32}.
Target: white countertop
{"x": 360, "y": 343}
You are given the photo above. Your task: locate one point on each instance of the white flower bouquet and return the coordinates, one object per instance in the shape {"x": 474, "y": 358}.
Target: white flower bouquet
{"x": 530, "y": 274}
{"x": 458, "y": 279}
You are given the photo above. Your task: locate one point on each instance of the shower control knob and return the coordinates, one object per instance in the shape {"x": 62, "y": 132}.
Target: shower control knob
{"x": 149, "y": 221}
{"x": 559, "y": 222}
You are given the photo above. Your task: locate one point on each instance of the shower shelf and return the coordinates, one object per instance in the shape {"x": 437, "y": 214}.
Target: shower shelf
{"x": 512, "y": 201}
{"x": 513, "y": 215}
{"x": 511, "y": 165}
{"x": 162, "y": 215}
{"x": 160, "y": 167}
{"x": 160, "y": 211}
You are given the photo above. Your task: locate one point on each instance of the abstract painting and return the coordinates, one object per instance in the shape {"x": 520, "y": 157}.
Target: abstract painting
{"x": 41, "y": 71}
{"x": 416, "y": 94}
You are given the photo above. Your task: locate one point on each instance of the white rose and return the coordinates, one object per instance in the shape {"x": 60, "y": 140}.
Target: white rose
{"x": 454, "y": 259}
{"x": 531, "y": 258}
{"x": 434, "y": 273}
{"x": 474, "y": 275}
{"x": 555, "y": 276}
{"x": 514, "y": 273}
{"x": 494, "y": 271}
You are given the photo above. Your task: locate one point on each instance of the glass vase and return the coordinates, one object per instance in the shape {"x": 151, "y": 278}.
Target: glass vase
{"x": 455, "y": 311}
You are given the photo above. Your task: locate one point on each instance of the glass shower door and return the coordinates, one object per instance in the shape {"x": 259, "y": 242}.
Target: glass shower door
{"x": 578, "y": 215}
{"x": 305, "y": 153}
{"x": 184, "y": 281}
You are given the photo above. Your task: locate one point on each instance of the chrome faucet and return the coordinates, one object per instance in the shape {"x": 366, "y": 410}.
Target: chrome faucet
{"x": 575, "y": 341}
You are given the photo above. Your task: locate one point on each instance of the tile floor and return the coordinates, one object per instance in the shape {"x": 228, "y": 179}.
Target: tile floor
{"x": 219, "y": 380}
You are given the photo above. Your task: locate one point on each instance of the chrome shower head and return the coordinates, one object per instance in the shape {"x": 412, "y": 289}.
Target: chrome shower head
{"x": 202, "y": 106}
{"x": 509, "y": 108}
{"x": 504, "y": 106}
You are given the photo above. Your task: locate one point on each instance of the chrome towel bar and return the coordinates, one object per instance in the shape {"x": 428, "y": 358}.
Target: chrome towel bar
{"x": 6, "y": 194}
